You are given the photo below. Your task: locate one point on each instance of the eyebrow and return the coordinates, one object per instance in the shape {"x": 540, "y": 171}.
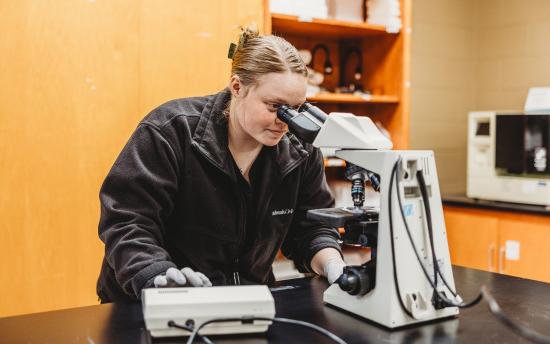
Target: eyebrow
{"x": 281, "y": 101}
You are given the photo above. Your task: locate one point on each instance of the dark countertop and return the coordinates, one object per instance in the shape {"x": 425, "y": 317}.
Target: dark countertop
{"x": 463, "y": 201}
{"x": 524, "y": 300}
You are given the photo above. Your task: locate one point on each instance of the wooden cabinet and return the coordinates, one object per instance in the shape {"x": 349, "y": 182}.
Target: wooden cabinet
{"x": 473, "y": 238}
{"x": 530, "y": 242}
{"x": 384, "y": 65}
{"x": 510, "y": 243}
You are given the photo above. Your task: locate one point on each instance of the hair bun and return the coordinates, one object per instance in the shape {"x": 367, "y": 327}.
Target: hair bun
{"x": 247, "y": 33}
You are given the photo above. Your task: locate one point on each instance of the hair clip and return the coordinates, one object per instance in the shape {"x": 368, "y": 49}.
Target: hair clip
{"x": 232, "y": 50}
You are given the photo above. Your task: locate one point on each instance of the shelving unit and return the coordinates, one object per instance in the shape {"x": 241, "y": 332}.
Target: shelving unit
{"x": 323, "y": 28}
{"x": 342, "y": 98}
{"x": 385, "y": 65}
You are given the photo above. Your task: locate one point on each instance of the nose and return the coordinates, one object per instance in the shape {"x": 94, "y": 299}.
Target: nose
{"x": 279, "y": 122}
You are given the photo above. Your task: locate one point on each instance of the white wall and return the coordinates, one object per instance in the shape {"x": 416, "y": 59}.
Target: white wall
{"x": 472, "y": 55}
{"x": 443, "y": 84}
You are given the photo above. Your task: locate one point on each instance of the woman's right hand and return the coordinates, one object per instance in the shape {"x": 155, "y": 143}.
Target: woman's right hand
{"x": 185, "y": 277}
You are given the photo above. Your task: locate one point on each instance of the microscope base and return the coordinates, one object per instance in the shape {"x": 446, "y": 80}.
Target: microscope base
{"x": 377, "y": 306}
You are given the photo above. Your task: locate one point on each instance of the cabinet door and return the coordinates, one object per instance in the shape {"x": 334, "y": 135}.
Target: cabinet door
{"x": 472, "y": 237}
{"x": 524, "y": 248}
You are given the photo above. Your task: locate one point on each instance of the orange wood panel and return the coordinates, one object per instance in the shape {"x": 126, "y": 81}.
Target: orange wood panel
{"x": 386, "y": 63}
{"x": 68, "y": 102}
{"x": 323, "y": 28}
{"x": 76, "y": 77}
{"x": 350, "y": 98}
{"x": 472, "y": 237}
{"x": 267, "y": 24}
{"x": 533, "y": 235}
{"x": 401, "y": 124}
{"x": 184, "y": 44}
{"x": 475, "y": 232}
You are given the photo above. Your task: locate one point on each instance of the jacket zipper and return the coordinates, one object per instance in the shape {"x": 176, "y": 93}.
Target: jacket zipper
{"x": 236, "y": 277}
{"x": 235, "y": 274}
{"x": 242, "y": 230}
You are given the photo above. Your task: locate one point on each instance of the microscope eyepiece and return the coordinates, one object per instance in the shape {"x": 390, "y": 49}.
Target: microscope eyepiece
{"x": 319, "y": 114}
{"x": 305, "y": 124}
{"x": 285, "y": 113}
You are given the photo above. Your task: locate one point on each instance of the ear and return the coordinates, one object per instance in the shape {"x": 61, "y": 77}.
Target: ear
{"x": 236, "y": 86}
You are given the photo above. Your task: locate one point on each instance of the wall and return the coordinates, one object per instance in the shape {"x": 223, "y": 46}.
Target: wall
{"x": 471, "y": 55}
{"x": 75, "y": 79}
{"x": 443, "y": 84}
{"x": 513, "y": 51}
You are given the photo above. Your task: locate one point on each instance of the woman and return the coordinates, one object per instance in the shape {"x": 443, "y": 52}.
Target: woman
{"x": 208, "y": 189}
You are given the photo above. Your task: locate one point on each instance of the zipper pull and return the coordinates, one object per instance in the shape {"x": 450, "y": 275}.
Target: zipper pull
{"x": 236, "y": 277}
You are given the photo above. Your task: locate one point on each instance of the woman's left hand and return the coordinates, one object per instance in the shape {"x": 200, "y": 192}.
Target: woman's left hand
{"x": 333, "y": 269}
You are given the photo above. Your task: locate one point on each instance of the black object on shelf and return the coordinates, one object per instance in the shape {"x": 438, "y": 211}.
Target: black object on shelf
{"x": 327, "y": 69}
{"x": 355, "y": 85}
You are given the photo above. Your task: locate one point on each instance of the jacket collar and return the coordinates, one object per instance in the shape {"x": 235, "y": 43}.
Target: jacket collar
{"x": 210, "y": 137}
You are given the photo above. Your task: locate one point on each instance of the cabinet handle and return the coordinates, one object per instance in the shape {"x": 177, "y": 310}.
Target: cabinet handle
{"x": 491, "y": 257}
{"x": 501, "y": 253}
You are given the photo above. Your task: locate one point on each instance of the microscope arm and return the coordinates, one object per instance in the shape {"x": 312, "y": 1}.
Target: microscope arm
{"x": 339, "y": 130}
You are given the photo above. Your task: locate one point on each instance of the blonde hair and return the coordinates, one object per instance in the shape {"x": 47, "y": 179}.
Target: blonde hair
{"x": 257, "y": 55}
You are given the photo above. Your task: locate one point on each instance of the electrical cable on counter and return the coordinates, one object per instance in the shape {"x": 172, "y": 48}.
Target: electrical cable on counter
{"x": 250, "y": 320}
{"x": 495, "y": 309}
{"x": 205, "y": 339}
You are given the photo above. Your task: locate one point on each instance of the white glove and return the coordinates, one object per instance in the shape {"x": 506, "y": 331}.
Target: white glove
{"x": 333, "y": 269}
{"x": 185, "y": 277}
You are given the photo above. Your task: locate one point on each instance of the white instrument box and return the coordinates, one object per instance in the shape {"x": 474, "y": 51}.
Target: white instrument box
{"x": 160, "y": 305}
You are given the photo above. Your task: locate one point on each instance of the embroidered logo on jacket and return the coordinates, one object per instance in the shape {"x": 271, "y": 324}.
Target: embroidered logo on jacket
{"x": 282, "y": 212}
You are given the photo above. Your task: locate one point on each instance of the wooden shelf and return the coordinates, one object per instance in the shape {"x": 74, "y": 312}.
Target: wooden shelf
{"x": 294, "y": 25}
{"x": 334, "y": 162}
{"x": 345, "y": 98}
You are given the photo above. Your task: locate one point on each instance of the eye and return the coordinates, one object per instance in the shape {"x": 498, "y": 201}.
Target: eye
{"x": 273, "y": 106}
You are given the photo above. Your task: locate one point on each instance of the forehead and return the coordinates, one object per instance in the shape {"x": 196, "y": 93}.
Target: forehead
{"x": 286, "y": 88}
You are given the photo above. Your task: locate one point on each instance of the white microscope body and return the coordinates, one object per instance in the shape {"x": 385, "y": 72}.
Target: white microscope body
{"x": 370, "y": 150}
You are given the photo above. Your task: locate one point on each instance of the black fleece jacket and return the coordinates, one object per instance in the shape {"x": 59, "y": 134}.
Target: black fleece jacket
{"x": 172, "y": 199}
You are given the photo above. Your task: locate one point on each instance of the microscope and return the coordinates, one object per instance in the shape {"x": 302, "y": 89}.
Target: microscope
{"x": 409, "y": 277}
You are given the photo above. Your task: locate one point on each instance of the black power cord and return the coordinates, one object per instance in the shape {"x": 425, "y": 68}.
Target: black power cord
{"x": 424, "y": 193}
{"x": 390, "y": 216}
{"x": 518, "y": 328}
{"x": 172, "y": 323}
{"x": 250, "y": 320}
{"x": 427, "y": 210}
{"x": 424, "y": 270}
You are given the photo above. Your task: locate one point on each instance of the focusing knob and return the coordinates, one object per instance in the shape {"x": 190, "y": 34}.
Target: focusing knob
{"x": 355, "y": 281}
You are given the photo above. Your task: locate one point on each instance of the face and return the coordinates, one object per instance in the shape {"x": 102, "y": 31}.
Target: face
{"x": 256, "y": 105}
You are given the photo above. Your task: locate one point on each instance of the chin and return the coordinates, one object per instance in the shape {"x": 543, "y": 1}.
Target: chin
{"x": 271, "y": 141}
